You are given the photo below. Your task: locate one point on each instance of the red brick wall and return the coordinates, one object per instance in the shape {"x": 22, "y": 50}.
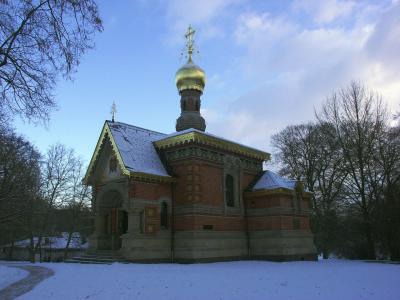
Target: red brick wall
{"x": 219, "y": 223}
{"x": 202, "y": 182}
{"x": 149, "y": 191}
{"x": 198, "y": 182}
{"x": 264, "y": 223}
{"x": 212, "y": 192}
{"x": 277, "y": 223}
{"x": 305, "y": 223}
{"x": 247, "y": 178}
{"x": 305, "y": 204}
{"x": 267, "y": 201}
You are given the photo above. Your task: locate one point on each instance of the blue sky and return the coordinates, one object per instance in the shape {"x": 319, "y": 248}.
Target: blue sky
{"x": 268, "y": 64}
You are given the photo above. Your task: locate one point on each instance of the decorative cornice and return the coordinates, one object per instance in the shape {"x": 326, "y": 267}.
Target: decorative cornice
{"x": 194, "y": 151}
{"x": 204, "y": 139}
{"x": 150, "y": 177}
{"x": 106, "y": 134}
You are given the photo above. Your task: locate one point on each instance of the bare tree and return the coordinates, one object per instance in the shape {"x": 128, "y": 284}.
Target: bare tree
{"x": 388, "y": 200}
{"x": 310, "y": 151}
{"x": 19, "y": 187}
{"x": 78, "y": 203}
{"x": 350, "y": 160}
{"x": 19, "y": 175}
{"x": 328, "y": 193}
{"x": 58, "y": 170}
{"x": 297, "y": 152}
{"x": 358, "y": 117}
{"x": 39, "y": 40}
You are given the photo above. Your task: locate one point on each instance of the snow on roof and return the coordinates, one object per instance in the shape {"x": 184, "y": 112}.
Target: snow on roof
{"x": 135, "y": 144}
{"x": 270, "y": 181}
{"x": 136, "y": 148}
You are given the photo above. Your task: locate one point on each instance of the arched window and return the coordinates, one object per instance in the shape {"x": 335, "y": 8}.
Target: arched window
{"x": 164, "y": 215}
{"x": 229, "y": 191}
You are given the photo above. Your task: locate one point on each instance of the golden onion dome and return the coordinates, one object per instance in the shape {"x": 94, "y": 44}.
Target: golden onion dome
{"x": 190, "y": 76}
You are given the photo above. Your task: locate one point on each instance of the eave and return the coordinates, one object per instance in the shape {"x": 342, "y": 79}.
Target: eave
{"x": 207, "y": 140}
{"x": 265, "y": 192}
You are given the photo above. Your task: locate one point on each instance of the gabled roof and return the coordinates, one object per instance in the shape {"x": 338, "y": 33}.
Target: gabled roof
{"x": 205, "y": 138}
{"x": 271, "y": 181}
{"x": 133, "y": 147}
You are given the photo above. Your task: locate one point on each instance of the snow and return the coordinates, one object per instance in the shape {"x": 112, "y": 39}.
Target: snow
{"x": 270, "y": 180}
{"x": 332, "y": 279}
{"x": 9, "y": 275}
{"x": 56, "y": 242}
{"x": 135, "y": 145}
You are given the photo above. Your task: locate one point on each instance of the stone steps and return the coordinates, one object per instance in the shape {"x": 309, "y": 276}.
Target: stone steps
{"x": 98, "y": 257}
{"x": 74, "y": 260}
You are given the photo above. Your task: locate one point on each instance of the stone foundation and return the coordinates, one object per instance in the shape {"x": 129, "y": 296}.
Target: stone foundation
{"x": 140, "y": 247}
{"x": 200, "y": 245}
{"x": 282, "y": 244}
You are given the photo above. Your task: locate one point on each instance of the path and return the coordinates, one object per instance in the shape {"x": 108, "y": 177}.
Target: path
{"x": 36, "y": 275}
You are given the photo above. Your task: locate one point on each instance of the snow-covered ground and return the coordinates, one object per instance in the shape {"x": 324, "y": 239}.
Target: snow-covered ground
{"x": 55, "y": 242}
{"x": 333, "y": 279}
{"x": 10, "y": 275}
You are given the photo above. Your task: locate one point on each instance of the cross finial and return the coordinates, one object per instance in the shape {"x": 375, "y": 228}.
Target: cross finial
{"x": 113, "y": 111}
{"x": 190, "y": 41}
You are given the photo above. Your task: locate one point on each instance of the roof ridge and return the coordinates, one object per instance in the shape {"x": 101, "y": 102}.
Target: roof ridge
{"x": 271, "y": 180}
{"x": 255, "y": 180}
{"x": 282, "y": 177}
{"x": 136, "y": 127}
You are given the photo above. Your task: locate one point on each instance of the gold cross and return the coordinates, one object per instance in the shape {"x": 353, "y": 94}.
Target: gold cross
{"x": 113, "y": 111}
{"x": 190, "y": 41}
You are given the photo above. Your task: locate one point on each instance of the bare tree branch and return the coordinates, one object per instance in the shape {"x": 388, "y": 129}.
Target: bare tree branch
{"x": 38, "y": 41}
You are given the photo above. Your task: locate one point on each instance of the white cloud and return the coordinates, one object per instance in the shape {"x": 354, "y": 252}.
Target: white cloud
{"x": 253, "y": 27}
{"x": 204, "y": 14}
{"x": 384, "y": 42}
{"x": 326, "y": 11}
{"x": 196, "y": 11}
{"x": 293, "y": 68}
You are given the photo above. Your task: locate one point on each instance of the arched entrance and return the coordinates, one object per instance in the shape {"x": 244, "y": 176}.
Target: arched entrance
{"x": 114, "y": 221}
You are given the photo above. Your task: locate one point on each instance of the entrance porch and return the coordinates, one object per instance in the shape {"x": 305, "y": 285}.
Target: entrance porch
{"x": 111, "y": 222}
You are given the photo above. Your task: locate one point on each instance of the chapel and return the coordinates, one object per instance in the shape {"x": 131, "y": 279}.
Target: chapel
{"x": 192, "y": 196}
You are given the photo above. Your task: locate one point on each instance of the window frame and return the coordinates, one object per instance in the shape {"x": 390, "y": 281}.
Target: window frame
{"x": 230, "y": 190}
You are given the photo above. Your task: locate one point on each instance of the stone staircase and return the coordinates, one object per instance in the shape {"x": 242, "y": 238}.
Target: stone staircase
{"x": 98, "y": 257}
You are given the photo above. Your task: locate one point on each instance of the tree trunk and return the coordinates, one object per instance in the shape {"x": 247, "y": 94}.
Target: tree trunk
{"x": 67, "y": 245}
{"x": 394, "y": 253}
{"x": 394, "y": 244}
{"x": 370, "y": 241}
{"x": 32, "y": 250}
{"x": 11, "y": 250}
